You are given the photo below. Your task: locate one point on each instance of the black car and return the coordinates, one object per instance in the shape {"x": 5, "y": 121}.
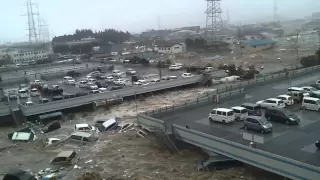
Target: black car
{"x": 57, "y": 98}
{"x": 68, "y": 96}
{"x": 282, "y": 115}
{"x": 51, "y": 127}
{"x": 113, "y": 88}
{"x": 253, "y": 109}
{"x": 81, "y": 94}
{"x": 101, "y": 85}
{"x": 73, "y": 73}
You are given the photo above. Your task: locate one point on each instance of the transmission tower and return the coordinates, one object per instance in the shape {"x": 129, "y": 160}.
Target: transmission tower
{"x": 214, "y": 21}
{"x": 33, "y": 38}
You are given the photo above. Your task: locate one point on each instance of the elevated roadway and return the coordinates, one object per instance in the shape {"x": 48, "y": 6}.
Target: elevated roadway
{"x": 288, "y": 150}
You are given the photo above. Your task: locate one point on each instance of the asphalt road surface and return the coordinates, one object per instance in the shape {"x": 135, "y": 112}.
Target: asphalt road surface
{"x": 294, "y": 141}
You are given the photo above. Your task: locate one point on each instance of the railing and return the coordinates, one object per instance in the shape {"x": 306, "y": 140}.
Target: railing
{"x": 202, "y": 100}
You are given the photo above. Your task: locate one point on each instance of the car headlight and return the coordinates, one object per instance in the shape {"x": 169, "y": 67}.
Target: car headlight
{"x": 265, "y": 126}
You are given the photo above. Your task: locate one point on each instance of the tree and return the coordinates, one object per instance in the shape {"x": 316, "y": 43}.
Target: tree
{"x": 6, "y": 60}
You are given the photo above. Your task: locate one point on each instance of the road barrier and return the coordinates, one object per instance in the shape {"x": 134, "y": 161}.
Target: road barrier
{"x": 202, "y": 100}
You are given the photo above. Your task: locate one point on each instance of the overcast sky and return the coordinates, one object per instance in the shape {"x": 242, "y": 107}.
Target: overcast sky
{"x": 64, "y": 16}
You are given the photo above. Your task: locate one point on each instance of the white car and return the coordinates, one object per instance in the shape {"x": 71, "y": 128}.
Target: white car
{"x": 93, "y": 74}
{"x": 36, "y": 82}
{"x": 131, "y": 71}
{"x": 94, "y": 91}
{"x": 92, "y": 86}
{"x": 109, "y": 79}
{"x": 91, "y": 80}
{"x": 84, "y": 128}
{"x": 157, "y": 80}
{"x": 271, "y": 102}
{"x": 34, "y": 92}
{"x": 119, "y": 82}
{"x": 102, "y": 90}
{"x": 173, "y": 77}
{"x": 141, "y": 82}
{"x": 116, "y": 73}
{"x": 309, "y": 89}
{"x": 288, "y": 101}
{"x": 23, "y": 93}
{"x": 83, "y": 84}
{"x": 186, "y": 75}
{"x": 175, "y": 67}
{"x": 29, "y": 103}
{"x": 69, "y": 80}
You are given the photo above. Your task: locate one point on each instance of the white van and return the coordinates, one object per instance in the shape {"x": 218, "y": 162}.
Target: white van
{"x": 240, "y": 113}
{"x": 223, "y": 115}
{"x": 311, "y": 103}
{"x": 23, "y": 93}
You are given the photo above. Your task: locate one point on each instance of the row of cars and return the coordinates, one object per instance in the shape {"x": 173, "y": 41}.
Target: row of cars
{"x": 254, "y": 118}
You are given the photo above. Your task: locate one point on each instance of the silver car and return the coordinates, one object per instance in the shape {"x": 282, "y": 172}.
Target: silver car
{"x": 257, "y": 123}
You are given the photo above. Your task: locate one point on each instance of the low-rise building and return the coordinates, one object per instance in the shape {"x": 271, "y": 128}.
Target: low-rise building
{"x": 20, "y": 56}
{"x": 170, "y": 48}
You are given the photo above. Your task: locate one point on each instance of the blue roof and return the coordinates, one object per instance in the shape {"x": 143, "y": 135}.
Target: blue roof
{"x": 261, "y": 42}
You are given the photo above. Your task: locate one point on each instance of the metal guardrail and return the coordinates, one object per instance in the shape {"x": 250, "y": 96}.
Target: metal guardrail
{"x": 271, "y": 162}
{"x": 207, "y": 98}
{"x": 78, "y": 101}
{"x": 68, "y": 103}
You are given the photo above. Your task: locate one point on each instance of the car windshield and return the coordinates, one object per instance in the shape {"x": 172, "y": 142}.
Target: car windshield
{"x": 230, "y": 113}
{"x": 280, "y": 102}
{"x": 288, "y": 113}
{"x": 243, "y": 111}
{"x": 313, "y": 89}
{"x": 318, "y": 102}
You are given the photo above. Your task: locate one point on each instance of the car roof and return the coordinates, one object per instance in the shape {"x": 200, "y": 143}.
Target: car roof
{"x": 298, "y": 88}
{"x": 238, "y": 108}
{"x": 256, "y": 117}
{"x": 311, "y": 98}
{"x": 274, "y": 99}
{"x": 222, "y": 109}
{"x": 82, "y": 125}
{"x": 65, "y": 153}
{"x": 249, "y": 104}
{"x": 83, "y": 134}
{"x": 284, "y": 95}
{"x": 308, "y": 87}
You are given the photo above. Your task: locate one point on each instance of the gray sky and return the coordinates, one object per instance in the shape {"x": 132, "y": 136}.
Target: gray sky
{"x": 64, "y": 16}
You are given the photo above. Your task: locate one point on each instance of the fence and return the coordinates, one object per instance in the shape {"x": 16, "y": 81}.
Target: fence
{"x": 202, "y": 100}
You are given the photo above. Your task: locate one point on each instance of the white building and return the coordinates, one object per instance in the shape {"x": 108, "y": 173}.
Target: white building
{"x": 170, "y": 48}
{"x": 19, "y": 57}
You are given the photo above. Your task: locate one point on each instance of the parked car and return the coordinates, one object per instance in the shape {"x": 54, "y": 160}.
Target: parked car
{"x": 68, "y": 80}
{"x": 131, "y": 71}
{"x": 271, "y": 103}
{"x": 223, "y": 115}
{"x": 51, "y": 127}
{"x": 173, "y": 77}
{"x": 66, "y": 158}
{"x": 43, "y": 100}
{"x": 119, "y": 82}
{"x": 113, "y": 88}
{"x": 282, "y": 115}
{"x": 57, "y": 98}
{"x": 92, "y": 86}
{"x": 311, "y": 103}
{"x": 34, "y": 92}
{"x": 240, "y": 113}
{"x": 116, "y": 73}
{"x": 253, "y": 109}
{"x": 79, "y": 94}
{"x": 153, "y": 81}
{"x": 109, "y": 79}
{"x": 36, "y": 82}
{"x": 29, "y": 103}
{"x": 102, "y": 89}
{"x": 23, "y": 93}
{"x": 288, "y": 100}
{"x": 82, "y": 84}
{"x": 186, "y": 75}
{"x": 12, "y": 94}
{"x": 257, "y": 123}
{"x": 175, "y": 67}
{"x": 217, "y": 163}
{"x": 94, "y": 74}
{"x": 310, "y": 89}
{"x": 94, "y": 92}
{"x": 83, "y": 137}
{"x": 165, "y": 78}
{"x": 141, "y": 82}
{"x": 297, "y": 96}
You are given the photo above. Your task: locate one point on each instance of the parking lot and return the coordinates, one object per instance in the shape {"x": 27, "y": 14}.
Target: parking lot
{"x": 74, "y": 89}
{"x": 292, "y": 141}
